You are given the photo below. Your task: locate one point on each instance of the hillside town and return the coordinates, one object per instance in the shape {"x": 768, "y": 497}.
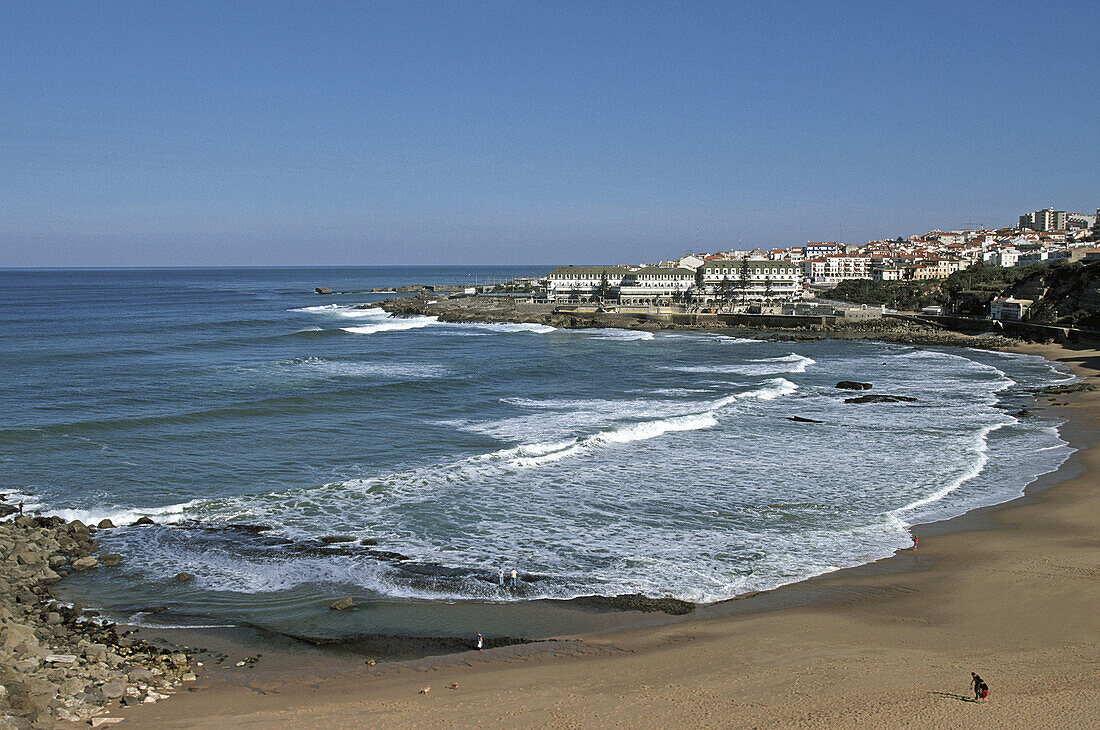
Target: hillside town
{"x": 776, "y": 279}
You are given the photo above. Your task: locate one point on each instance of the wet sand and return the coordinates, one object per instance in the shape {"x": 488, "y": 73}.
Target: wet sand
{"x": 1011, "y": 592}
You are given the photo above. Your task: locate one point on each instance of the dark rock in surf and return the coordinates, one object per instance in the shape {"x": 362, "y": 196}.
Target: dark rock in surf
{"x": 144, "y": 521}
{"x": 636, "y": 602}
{"x": 323, "y": 290}
{"x": 184, "y": 576}
{"x": 242, "y": 527}
{"x": 881, "y": 398}
{"x": 342, "y": 604}
{"x": 334, "y": 539}
{"x": 802, "y": 419}
{"x": 368, "y": 541}
{"x": 105, "y": 524}
{"x": 853, "y": 385}
{"x": 387, "y": 555}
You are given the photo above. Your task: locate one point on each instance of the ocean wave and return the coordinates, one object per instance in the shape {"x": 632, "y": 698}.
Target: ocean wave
{"x": 792, "y": 363}
{"x": 621, "y": 335}
{"x": 122, "y": 516}
{"x": 395, "y": 324}
{"x": 319, "y": 367}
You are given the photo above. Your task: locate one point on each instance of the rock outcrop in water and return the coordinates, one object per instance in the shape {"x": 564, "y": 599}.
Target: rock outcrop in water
{"x": 853, "y": 385}
{"x": 54, "y": 663}
{"x": 881, "y": 398}
{"x": 636, "y": 602}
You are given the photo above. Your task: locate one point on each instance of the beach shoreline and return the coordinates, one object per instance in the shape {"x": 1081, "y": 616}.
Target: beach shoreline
{"x": 685, "y": 672}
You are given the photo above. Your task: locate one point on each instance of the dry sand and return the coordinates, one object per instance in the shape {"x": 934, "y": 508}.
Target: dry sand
{"x": 1011, "y": 592}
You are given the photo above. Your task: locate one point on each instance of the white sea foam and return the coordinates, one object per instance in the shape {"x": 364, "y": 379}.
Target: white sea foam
{"x": 503, "y": 327}
{"x": 792, "y": 363}
{"x": 980, "y": 457}
{"x": 622, "y": 335}
{"x": 319, "y": 367}
{"x": 122, "y": 516}
{"x": 393, "y": 324}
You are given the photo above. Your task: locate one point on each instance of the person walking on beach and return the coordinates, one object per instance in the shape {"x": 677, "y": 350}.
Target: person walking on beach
{"x": 500, "y": 577}
{"x": 480, "y": 640}
{"x": 515, "y": 575}
{"x": 979, "y": 683}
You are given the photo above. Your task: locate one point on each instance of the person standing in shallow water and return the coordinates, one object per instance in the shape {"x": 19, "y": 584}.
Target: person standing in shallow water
{"x": 515, "y": 575}
{"x": 480, "y": 639}
{"x": 500, "y": 577}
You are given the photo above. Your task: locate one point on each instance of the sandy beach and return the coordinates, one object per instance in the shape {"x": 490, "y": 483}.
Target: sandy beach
{"x": 1010, "y": 592}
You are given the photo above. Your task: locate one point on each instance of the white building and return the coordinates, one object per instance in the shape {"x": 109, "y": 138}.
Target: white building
{"x": 837, "y": 267}
{"x": 1008, "y": 309}
{"x": 1006, "y": 257}
{"x": 656, "y": 285}
{"x": 583, "y": 282}
{"x": 753, "y": 280}
{"x": 691, "y": 261}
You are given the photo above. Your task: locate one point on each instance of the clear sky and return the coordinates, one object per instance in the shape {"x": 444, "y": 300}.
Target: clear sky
{"x": 273, "y": 133}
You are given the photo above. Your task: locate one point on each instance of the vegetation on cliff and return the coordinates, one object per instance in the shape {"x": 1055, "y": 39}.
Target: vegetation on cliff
{"x": 1065, "y": 292}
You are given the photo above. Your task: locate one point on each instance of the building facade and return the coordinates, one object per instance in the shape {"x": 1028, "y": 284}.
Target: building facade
{"x": 751, "y": 280}
{"x": 576, "y": 283}
{"x": 1044, "y": 220}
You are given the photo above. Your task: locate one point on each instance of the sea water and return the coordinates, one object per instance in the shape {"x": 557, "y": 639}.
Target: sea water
{"x": 250, "y": 418}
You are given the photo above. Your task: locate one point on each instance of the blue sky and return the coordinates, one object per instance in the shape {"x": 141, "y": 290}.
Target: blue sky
{"x": 514, "y": 132}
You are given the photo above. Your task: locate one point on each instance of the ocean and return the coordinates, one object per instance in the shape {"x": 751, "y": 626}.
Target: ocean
{"x": 271, "y": 432}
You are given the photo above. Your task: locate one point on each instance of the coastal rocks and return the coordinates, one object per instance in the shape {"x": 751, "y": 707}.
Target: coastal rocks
{"x": 110, "y": 560}
{"x": 636, "y": 602}
{"x": 86, "y": 563}
{"x": 334, "y": 539}
{"x": 143, "y": 521}
{"x": 183, "y": 576}
{"x": 105, "y": 524}
{"x": 323, "y": 290}
{"x": 55, "y": 665}
{"x": 881, "y": 398}
{"x": 1070, "y": 388}
{"x": 852, "y": 385}
{"x": 341, "y": 605}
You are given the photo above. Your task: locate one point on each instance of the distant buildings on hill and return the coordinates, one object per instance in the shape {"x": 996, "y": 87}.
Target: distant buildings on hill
{"x": 790, "y": 274}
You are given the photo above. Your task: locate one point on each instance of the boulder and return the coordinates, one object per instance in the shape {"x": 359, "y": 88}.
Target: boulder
{"x": 323, "y": 290}
{"x": 58, "y": 561}
{"x": 881, "y": 398}
{"x": 113, "y": 690}
{"x": 144, "y": 521}
{"x": 368, "y": 541}
{"x": 110, "y": 560}
{"x": 853, "y": 385}
{"x": 333, "y": 539}
{"x": 183, "y": 576}
{"x": 88, "y": 562}
{"x": 105, "y": 524}
{"x": 140, "y": 674}
{"x": 342, "y": 604}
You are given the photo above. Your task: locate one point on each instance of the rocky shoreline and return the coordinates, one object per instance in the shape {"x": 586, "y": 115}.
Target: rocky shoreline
{"x": 58, "y": 662}
{"x": 490, "y": 309}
